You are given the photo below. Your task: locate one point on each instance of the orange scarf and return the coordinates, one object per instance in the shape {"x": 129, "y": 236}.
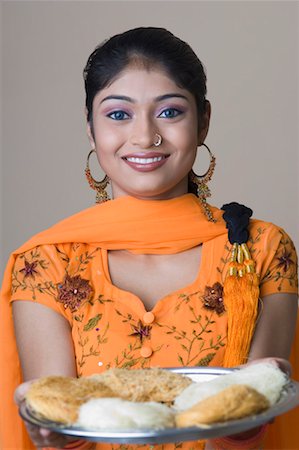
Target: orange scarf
{"x": 156, "y": 227}
{"x": 153, "y": 227}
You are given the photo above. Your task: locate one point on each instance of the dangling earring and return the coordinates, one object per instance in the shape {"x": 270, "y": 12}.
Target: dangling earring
{"x": 98, "y": 186}
{"x": 201, "y": 183}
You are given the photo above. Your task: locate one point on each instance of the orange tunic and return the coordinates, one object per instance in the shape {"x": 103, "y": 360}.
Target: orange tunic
{"x": 111, "y": 328}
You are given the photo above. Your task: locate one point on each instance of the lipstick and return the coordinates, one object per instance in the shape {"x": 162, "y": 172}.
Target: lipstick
{"x": 145, "y": 162}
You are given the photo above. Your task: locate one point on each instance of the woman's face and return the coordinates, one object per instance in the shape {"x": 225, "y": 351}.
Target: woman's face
{"x": 127, "y": 116}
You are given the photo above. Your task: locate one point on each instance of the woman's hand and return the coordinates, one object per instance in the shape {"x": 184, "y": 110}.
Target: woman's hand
{"x": 283, "y": 364}
{"x": 42, "y": 437}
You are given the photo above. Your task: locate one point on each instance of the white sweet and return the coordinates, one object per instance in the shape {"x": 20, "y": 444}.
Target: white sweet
{"x": 115, "y": 413}
{"x": 263, "y": 377}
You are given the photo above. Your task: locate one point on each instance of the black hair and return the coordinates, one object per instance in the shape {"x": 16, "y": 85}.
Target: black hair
{"x": 149, "y": 46}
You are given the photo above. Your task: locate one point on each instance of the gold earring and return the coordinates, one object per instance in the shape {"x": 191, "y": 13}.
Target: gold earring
{"x": 98, "y": 186}
{"x": 201, "y": 181}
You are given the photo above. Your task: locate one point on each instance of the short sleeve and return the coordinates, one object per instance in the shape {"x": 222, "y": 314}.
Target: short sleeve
{"x": 279, "y": 272}
{"x": 56, "y": 276}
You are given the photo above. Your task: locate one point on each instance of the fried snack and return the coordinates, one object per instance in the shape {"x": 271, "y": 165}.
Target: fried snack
{"x": 58, "y": 398}
{"x": 144, "y": 385}
{"x": 234, "y": 402}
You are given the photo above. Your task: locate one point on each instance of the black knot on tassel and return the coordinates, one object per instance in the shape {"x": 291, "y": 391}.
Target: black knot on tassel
{"x": 237, "y": 218}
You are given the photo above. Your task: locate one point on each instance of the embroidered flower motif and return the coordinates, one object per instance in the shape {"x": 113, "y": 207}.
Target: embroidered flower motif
{"x": 29, "y": 269}
{"x": 213, "y": 298}
{"x": 73, "y": 291}
{"x": 141, "y": 331}
{"x": 285, "y": 260}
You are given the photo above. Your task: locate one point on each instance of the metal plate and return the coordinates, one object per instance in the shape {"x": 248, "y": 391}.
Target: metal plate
{"x": 288, "y": 400}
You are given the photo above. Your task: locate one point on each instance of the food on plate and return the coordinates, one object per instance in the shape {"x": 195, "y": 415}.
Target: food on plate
{"x": 58, "y": 398}
{"x": 265, "y": 378}
{"x": 144, "y": 385}
{"x": 118, "y": 414}
{"x": 154, "y": 398}
{"x": 234, "y": 402}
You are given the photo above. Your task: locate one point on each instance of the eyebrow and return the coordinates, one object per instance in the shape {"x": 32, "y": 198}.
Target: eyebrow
{"x": 131, "y": 100}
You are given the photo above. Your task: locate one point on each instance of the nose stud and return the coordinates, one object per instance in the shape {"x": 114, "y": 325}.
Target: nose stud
{"x": 158, "y": 140}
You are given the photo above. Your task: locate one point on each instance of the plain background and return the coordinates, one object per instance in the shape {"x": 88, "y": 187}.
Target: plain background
{"x": 250, "y": 51}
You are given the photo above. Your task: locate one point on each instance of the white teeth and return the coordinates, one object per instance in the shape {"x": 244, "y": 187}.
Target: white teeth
{"x": 145, "y": 160}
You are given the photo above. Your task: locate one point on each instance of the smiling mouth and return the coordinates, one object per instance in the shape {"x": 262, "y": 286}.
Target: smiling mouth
{"x": 145, "y": 160}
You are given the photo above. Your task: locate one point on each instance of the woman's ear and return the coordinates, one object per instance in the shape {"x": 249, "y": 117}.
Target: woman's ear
{"x": 204, "y": 123}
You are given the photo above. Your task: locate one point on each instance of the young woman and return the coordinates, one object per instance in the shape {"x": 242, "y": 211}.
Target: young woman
{"x": 151, "y": 277}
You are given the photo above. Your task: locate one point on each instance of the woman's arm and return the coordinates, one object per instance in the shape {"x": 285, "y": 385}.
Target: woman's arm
{"x": 44, "y": 341}
{"x": 45, "y": 348}
{"x": 275, "y": 327}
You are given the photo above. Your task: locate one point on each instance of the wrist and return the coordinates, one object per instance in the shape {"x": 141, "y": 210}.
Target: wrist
{"x": 245, "y": 435}
{"x": 241, "y": 441}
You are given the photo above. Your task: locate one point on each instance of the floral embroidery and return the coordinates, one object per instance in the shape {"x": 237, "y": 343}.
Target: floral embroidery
{"x": 141, "y": 331}
{"x": 30, "y": 262}
{"x": 283, "y": 269}
{"x": 73, "y": 291}
{"x": 196, "y": 347}
{"x": 129, "y": 356}
{"x": 89, "y": 347}
{"x": 285, "y": 260}
{"x": 184, "y": 299}
{"x": 213, "y": 298}
{"x": 29, "y": 269}
{"x": 107, "y": 332}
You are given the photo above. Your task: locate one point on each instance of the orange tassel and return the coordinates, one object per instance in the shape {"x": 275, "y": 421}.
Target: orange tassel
{"x": 240, "y": 295}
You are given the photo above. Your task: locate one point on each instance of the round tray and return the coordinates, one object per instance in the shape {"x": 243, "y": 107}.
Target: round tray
{"x": 289, "y": 399}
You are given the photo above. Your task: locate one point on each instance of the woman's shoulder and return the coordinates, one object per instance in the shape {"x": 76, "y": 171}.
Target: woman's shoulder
{"x": 275, "y": 256}
{"x": 50, "y": 273}
{"x": 53, "y": 262}
{"x": 270, "y": 246}
{"x": 268, "y": 235}
{"x": 63, "y": 251}
{"x": 258, "y": 232}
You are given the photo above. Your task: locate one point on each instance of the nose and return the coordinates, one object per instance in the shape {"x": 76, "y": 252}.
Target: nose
{"x": 143, "y": 132}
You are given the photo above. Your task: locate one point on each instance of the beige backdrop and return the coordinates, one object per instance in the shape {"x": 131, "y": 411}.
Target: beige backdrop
{"x": 250, "y": 50}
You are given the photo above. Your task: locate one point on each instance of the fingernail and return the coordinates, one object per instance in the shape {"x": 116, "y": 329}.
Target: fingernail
{"x": 44, "y": 432}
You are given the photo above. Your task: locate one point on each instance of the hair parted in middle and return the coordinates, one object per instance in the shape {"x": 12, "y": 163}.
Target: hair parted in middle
{"x": 146, "y": 47}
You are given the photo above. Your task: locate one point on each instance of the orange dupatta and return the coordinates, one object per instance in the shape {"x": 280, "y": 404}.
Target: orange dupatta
{"x": 156, "y": 227}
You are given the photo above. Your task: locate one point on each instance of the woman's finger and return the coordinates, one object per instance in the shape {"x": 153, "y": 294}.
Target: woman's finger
{"x": 43, "y": 437}
{"x": 44, "y": 432}
{"x": 20, "y": 392}
{"x": 283, "y": 364}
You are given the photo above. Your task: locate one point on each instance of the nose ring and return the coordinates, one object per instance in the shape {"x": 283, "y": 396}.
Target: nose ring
{"x": 158, "y": 140}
